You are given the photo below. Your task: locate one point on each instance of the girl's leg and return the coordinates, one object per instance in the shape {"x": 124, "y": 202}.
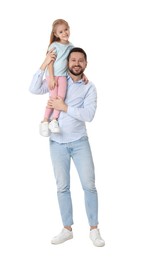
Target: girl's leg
{"x": 61, "y": 92}
{"x": 53, "y": 93}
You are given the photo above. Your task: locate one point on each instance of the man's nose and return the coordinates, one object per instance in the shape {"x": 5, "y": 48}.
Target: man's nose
{"x": 76, "y": 63}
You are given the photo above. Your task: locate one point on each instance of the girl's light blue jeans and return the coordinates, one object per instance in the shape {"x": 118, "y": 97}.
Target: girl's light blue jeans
{"x": 79, "y": 151}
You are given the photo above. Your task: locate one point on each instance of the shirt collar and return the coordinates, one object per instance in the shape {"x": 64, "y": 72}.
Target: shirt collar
{"x": 70, "y": 79}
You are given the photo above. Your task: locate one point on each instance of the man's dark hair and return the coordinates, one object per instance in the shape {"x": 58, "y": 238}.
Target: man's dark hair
{"x": 77, "y": 49}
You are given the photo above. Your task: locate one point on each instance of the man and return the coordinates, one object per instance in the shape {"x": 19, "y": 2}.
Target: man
{"x": 72, "y": 142}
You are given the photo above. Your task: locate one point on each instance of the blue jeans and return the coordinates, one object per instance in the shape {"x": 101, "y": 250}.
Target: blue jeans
{"x": 80, "y": 153}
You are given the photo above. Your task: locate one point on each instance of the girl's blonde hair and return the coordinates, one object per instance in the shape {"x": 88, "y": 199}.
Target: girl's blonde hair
{"x": 53, "y": 38}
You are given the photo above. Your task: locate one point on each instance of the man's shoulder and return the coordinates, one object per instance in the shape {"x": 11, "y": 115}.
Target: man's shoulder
{"x": 91, "y": 88}
{"x": 90, "y": 84}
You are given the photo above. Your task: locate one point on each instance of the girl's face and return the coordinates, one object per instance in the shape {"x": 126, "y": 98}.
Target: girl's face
{"x": 62, "y": 32}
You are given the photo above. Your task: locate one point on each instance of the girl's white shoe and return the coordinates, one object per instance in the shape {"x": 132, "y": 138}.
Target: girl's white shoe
{"x": 44, "y": 129}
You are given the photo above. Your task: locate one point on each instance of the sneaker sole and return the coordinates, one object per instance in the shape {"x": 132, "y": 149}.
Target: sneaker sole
{"x": 54, "y": 132}
{"x": 57, "y": 243}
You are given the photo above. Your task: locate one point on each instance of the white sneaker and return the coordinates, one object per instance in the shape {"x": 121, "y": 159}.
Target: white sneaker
{"x": 62, "y": 237}
{"x": 44, "y": 129}
{"x": 96, "y": 237}
{"x": 54, "y": 126}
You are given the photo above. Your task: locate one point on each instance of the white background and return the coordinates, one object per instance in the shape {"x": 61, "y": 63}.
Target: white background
{"x": 111, "y": 33}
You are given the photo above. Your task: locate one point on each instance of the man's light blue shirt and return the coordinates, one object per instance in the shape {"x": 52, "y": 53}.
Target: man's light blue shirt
{"x": 81, "y": 99}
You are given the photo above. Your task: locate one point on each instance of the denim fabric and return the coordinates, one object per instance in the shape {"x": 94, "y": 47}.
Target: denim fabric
{"x": 80, "y": 153}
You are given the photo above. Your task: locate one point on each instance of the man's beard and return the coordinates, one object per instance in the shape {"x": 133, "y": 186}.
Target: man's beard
{"x": 76, "y": 73}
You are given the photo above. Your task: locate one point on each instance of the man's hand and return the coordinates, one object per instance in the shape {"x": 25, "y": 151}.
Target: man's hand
{"x": 57, "y": 103}
{"x": 50, "y": 57}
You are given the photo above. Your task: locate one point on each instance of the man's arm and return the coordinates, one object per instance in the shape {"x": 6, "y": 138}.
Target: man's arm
{"x": 38, "y": 85}
{"x": 85, "y": 113}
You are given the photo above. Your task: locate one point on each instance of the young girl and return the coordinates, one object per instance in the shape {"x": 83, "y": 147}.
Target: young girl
{"x": 56, "y": 73}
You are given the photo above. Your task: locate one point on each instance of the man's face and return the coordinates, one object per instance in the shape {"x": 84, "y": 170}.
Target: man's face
{"x": 77, "y": 63}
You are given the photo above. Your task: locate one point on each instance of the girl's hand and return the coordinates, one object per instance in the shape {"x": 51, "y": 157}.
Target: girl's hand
{"x": 50, "y": 57}
{"x": 52, "y": 83}
{"x": 85, "y": 79}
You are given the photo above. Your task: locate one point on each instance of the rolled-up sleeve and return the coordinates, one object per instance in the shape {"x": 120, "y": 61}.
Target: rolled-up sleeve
{"x": 38, "y": 84}
{"x": 87, "y": 111}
